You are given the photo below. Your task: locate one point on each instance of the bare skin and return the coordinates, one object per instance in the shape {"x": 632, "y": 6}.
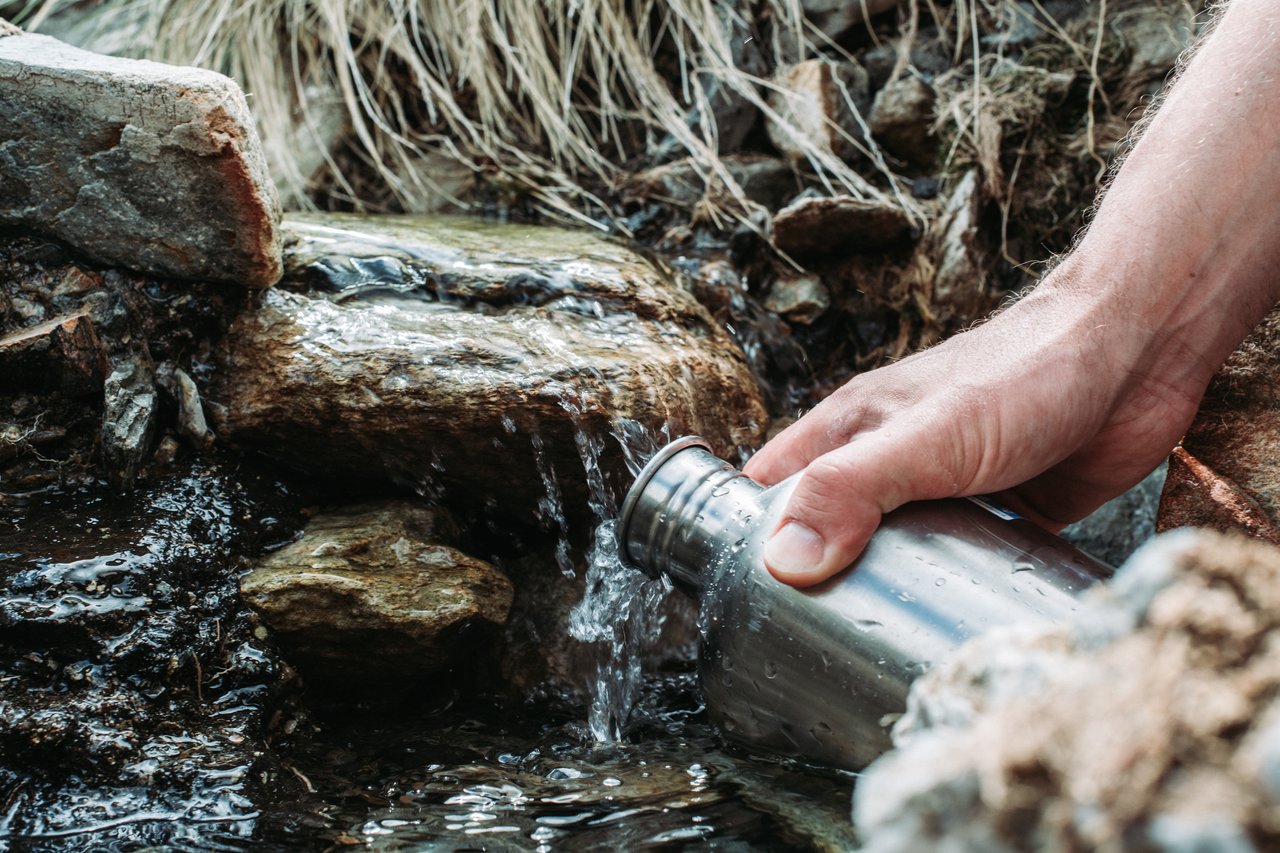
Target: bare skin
{"x": 1076, "y": 392}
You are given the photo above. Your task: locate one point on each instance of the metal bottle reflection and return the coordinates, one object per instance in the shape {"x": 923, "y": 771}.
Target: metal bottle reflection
{"x": 822, "y": 673}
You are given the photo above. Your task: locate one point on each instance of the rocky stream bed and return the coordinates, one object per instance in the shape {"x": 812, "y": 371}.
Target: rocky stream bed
{"x": 306, "y": 519}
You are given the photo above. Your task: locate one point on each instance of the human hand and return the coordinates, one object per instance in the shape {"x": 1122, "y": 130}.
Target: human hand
{"x": 1049, "y": 405}
{"x": 1076, "y": 392}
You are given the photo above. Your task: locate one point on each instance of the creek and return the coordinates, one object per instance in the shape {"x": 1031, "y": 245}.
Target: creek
{"x": 144, "y": 704}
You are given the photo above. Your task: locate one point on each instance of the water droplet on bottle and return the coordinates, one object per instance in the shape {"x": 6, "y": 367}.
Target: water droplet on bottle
{"x": 940, "y": 582}
{"x": 826, "y": 660}
{"x": 719, "y": 492}
{"x": 1023, "y": 565}
{"x": 976, "y": 582}
{"x": 906, "y": 596}
{"x": 726, "y": 662}
{"x": 867, "y": 624}
{"x": 770, "y": 669}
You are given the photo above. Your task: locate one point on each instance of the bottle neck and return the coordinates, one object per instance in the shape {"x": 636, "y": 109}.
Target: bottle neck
{"x": 684, "y": 513}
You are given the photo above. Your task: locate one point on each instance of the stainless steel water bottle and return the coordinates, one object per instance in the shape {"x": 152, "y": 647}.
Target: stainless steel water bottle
{"x": 822, "y": 673}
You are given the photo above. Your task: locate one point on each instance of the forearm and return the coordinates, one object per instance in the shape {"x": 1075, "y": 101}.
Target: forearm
{"x": 1185, "y": 248}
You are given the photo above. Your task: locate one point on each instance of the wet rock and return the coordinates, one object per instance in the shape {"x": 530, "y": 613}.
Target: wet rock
{"x": 134, "y": 163}
{"x": 834, "y": 17}
{"x": 821, "y": 103}
{"x": 63, "y": 354}
{"x": 487, "y": 364}
{"x": 128, "y": 417}
{"x": 801, "y": 299}
{"x": 901, "y": 117}
{"x": 1226, "y": 475}
{"x": 838, "y": 225}
{"x": 372, "y": 591}
{"x": 1140, "y": 725}
{"x": 765, "y": 180}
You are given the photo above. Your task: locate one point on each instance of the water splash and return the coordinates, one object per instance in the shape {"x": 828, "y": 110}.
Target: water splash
{"x": 622, "y": 611}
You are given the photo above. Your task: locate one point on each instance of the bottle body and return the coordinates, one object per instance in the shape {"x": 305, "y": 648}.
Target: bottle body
{"x": 822, "y": 673}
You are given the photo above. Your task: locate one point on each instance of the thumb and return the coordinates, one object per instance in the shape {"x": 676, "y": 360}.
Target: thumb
{"x": 837, "y": 503}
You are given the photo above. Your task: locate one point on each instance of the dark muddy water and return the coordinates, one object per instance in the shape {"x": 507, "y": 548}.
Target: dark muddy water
{"x": 142, "y": 705}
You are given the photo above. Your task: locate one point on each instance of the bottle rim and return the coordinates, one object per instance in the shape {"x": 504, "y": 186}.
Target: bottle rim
{"x": 637, "y": 489}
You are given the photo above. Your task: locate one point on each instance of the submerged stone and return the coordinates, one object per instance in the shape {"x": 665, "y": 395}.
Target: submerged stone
{"x": 371, "y": 591}
{"x": 488, "y": 364}
{"x": 134, "y": 163}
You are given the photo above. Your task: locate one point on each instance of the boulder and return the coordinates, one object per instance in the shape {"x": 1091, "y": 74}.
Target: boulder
{"x": 134, "y": 163}
{"x": 1148, "y": 723}
{"x": 372, "y": 590}
{"x": 1226, "y": 474}
{"x": 838, "y": 225}
{"x": 484, "y": 364}
{"x": 818, "y": 103}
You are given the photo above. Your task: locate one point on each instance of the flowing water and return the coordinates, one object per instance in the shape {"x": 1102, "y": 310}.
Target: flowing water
{"x": 141, "y": 704}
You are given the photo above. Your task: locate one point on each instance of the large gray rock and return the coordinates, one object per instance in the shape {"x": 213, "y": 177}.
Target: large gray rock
{"x": 485, "y": 364}
{"x": 373, "y": 590}
{"x": 134, "y": 163}
{"x": 1148, "y": 723}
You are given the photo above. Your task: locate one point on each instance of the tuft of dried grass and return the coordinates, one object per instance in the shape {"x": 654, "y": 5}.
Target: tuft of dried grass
{"x": 554, "y": 99}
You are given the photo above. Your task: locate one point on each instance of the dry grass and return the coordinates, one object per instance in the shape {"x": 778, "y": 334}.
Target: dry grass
{"x": 550, "y": 97}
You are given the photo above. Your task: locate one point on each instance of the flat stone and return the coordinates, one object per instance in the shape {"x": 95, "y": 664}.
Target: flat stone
{"x": 136, "y": 164}
{"x": 371, "y": 589}
{"x": 817, "y": 103}
{"x": 130, "y": 410}
{"x": 1227, "y": 472}
{"x": 494, "y": 366}
{"x": 838, "y": 225}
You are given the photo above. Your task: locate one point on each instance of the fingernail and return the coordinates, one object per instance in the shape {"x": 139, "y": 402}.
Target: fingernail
{"x": 796, "y": 549}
